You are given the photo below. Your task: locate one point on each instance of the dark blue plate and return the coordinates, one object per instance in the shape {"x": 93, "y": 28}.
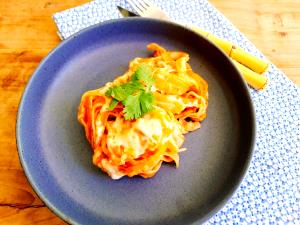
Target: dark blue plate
{"x": 57, "y": 158}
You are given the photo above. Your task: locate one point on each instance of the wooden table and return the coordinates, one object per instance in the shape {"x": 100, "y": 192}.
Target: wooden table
{"x": 27, "y": 34}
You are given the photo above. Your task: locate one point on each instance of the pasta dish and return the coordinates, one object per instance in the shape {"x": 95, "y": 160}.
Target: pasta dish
{"x": 138, "y": 121}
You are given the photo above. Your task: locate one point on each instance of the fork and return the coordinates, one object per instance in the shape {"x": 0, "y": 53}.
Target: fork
{"x": 146, "y": 8}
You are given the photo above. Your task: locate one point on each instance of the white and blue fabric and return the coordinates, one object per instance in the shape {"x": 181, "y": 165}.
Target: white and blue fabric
{"x": 270, "y": 192}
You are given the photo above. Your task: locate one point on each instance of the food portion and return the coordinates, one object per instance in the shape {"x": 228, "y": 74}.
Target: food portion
{"x": 137, "y": 122}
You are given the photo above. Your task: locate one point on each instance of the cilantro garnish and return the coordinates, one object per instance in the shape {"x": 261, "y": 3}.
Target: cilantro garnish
{"x": 113, "y": 104}
{"x": 143, "y": 73}
{"x": 135, "y": 95}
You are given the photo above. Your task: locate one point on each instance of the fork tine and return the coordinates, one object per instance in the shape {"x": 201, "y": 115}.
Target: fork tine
{"x": 146, "y": 8}
{"x": 136, "y": 7}
{"x": 144, "y": 4}
{"x": 149, "y": 3}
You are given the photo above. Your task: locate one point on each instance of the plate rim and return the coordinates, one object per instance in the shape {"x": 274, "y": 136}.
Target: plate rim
{"x": 226, "y": 196}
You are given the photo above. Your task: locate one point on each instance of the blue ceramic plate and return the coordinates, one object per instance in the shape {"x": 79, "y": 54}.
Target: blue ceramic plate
{"x": 57, "y": 158}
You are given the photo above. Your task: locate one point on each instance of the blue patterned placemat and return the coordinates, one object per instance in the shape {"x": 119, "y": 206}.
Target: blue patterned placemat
{"x": 270, "y": 192}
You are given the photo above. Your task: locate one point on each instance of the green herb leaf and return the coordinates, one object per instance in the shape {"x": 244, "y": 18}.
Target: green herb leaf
{"x": 138, "y": 105}
{"x": 143, "y": 73}
{"x": 132, "y": 108}
{"x": 121, "y": 92}
{"x": 133, "y": 94}
{"x": 116, "y": 92}
{"x": 131, "y": 87}
{"x": 113, "y": 104}
{"x": 142, "y": 70}
{"x": 109, "y": 92}
{"x": 147, "y": 102}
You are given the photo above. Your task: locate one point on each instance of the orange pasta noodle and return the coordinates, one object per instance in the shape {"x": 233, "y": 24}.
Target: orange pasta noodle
{"x": 179, "y": 88}
{"x": 139, "y": 146}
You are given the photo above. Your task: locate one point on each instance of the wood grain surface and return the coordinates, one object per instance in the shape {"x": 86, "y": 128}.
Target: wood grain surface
{"x": 27, "y": 34}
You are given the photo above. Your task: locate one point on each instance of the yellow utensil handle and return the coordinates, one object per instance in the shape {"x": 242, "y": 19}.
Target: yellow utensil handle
{"x": 252, "y": 62}
{"x": 254, "y": 79}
